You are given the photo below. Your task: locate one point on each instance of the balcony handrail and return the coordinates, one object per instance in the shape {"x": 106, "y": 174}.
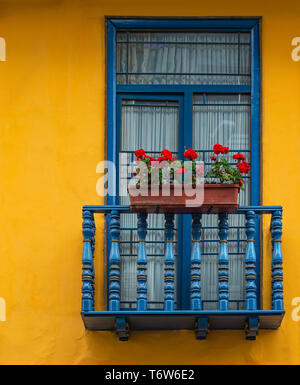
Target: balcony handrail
{"x": 114, "y": 276}
{"x": 126, "y": 209}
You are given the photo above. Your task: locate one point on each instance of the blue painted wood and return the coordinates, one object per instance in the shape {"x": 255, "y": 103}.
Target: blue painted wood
{"x": 228, "y": 313}
{"x": 184, "y": 248}
{"x": 196, "y": 303}
{"x": 184, "y": 24}
{"x": 250, "y": 261}
{"x": 114, "y": 262}
{"x": 252, "y": 25}
{"x": 126, "y": 209}
{"x": 87, "y": 301}
{"x": 150, "y": 96}
{"x": 163, "y": 320}
{"x": 277, "y": 275}
{"x": 122, "y": 328}
{"x": 112, "y": 151}
{"x": 255, "y": 138}
{"x": 180, "y": 89}
{"x": 251, "y": 329}
{"x": 201, "y": 328}
{"x": 223, "y": 263}
{"x": 169, "y": 275}
{"x": 108, "y": 244}
{"x": 255, "y": 115}
{"x": 142, "y": 263}
{"x": 93, "y": 251}
{"x": 93, "y": 234}
{"x": 112, "y": 137}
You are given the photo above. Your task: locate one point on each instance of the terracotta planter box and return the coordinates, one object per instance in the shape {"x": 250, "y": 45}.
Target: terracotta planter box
{"x": 215, "y": 198}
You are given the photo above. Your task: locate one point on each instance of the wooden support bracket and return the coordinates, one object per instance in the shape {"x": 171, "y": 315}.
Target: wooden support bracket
{"x": 251, "y": 328}
{"x": 122, "y": 329}
{"x": 201, "y": 328}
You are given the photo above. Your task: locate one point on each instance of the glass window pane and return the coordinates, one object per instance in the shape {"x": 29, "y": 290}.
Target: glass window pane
{"x": 183, "y": 58}
{"x": 153, "y": 126}
{"x": 223, "y": 119}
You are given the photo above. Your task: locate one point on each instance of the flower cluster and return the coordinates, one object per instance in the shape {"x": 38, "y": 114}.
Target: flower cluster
{"x": 219, "y": 149}
{"x": 171, "y": 169}
{"x": 224, "y": 172}
{"x": 165, "y": 155}
{"x": 239, "y": 157}
{"x": 243, "y": 167}
{"x": 140, "y": 154}
{"x": 190, "y": 154}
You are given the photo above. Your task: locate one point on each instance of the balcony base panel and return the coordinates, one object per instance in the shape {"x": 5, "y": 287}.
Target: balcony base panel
{"x": 200, "y": 322}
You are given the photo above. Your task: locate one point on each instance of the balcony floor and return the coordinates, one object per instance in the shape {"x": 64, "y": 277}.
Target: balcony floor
{"x": 185, "y": 319}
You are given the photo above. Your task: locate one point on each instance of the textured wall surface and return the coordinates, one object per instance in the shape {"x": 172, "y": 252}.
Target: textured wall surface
{"x": 52, "y": 124}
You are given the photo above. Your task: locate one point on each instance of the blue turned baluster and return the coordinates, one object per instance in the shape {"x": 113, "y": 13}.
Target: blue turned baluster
{"x": 169, "y": 263}
{"x": 250, "y": 260}
{"x": 93, "y": 250}
{"x": 114, "y": 262}
{"x": 87, "y": 262}
{"x": 223, "y": 263}
{"x": 142, "y": 263}
{"x": 196, "y": 303}
{"x": 277, "y": 276}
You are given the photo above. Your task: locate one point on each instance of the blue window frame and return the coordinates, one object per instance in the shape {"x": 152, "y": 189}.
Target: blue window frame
{"x": 184, "y": 93}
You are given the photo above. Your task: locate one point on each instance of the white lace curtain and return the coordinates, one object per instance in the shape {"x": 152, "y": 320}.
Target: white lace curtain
{"x": 183, "y": 58}
{"x": 223, "y": 119}
{"x": 152, "y": 126}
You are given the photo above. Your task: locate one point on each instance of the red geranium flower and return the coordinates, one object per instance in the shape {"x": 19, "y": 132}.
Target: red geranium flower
{"x": 218, "y": 149}
{"x": 241, "y": 183}
{"x": 239, "y": 157}
{"x": 140, "y": 153}
{"x": 213, "y": 158}
{"x": 166, "y": 155}
{"x": 243, "y": 167}
{"x": 190, "y": 154}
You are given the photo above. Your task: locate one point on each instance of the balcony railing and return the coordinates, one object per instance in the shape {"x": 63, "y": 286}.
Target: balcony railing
{"x": 122, "y": 321}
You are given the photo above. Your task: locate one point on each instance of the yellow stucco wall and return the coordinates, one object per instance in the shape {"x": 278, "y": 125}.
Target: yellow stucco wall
{"x": 52, "y": 118}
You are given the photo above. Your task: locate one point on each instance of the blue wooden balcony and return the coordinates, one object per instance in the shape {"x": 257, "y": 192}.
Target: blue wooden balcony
{"x": 123, "y": 321}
